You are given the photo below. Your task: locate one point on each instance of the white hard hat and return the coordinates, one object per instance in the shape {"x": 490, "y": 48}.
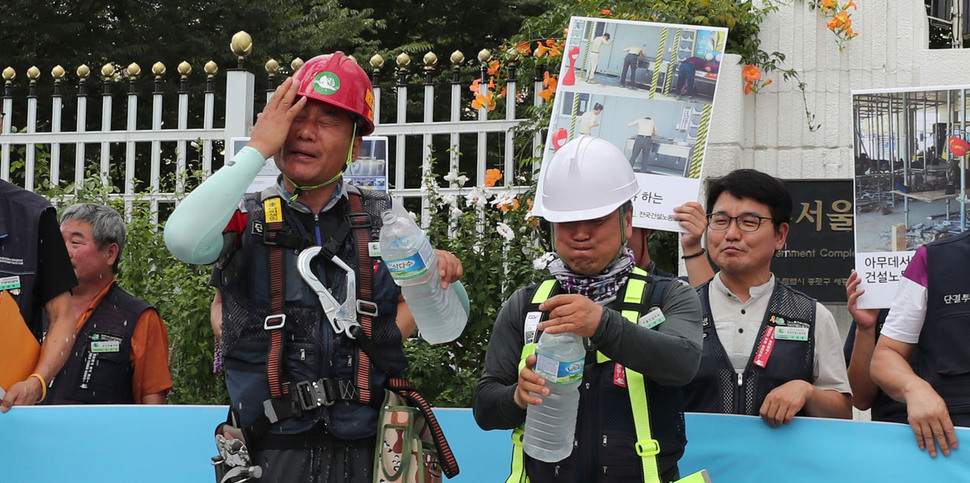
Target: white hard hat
{"x": 586, "y": 179}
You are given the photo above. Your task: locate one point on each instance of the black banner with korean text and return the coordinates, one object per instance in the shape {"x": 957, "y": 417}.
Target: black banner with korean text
{"x": 819, "y": 253}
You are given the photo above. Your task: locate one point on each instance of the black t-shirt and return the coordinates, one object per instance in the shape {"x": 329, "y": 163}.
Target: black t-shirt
{"x": 55, "y": 274}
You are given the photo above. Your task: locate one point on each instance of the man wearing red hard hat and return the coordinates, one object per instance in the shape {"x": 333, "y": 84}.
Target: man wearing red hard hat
{"x": 305, "y": 396}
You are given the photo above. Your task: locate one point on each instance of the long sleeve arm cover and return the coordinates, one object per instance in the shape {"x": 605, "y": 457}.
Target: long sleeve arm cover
{"x": 194, "y": 231}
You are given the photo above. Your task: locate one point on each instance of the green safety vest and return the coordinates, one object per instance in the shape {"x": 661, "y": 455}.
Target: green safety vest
{"x": 647, "y": 447}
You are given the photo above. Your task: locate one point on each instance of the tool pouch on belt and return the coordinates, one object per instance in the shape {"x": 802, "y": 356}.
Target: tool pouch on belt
{"x": 405, "y": 451}
{"x": 411, "y": 448}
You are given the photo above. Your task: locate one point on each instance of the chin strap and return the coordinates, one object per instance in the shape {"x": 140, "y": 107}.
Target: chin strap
{"x": 298, "y": 190}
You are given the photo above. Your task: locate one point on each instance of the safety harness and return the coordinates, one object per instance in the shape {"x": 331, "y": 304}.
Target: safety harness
{"x": 291, "y": 400}
{"x": 631, "y": 308}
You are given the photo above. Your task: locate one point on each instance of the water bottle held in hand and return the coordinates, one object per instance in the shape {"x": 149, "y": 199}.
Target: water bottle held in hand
{"x": 550, "y": 427}
{"x": 413, "y": 264}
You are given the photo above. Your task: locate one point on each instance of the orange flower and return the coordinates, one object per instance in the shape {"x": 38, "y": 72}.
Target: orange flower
{"x": 512, "y": 205}
{"x": 766, "y": 83}
{"x": 832, "y": 24}
{"x": 523, "y": 48}
{"x": 541, "y": 50}
{"x": 551, "y": 83}
{"x": 475, "y": 86}
{"x": 492, "y": 176}
{"x": 606, "y": 12}
{"x": 751, "y": 73}
{"x": 748, "y": 87}
{"x": 493, "y": 67}
{"x": 481, "y": 101}
{"x": 551, "y": 48}
{"x": 826, "y": 4}
{"x": 842, "y": 17}
{"x": 851, "y": 4}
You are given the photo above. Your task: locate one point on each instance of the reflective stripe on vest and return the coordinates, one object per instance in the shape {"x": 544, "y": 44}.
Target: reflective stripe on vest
{"x": 646, "y": 447}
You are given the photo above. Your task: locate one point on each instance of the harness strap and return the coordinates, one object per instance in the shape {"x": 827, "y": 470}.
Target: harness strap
{"x": 518, "y": 465}
{"x": 646, "y": 447}
{"x": 360, "y": 222}
{"x": 273, "y": 217}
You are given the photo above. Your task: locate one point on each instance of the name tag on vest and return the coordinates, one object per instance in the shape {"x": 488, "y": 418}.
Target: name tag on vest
{"x": 792, "y": 333}
{"x": 105, "y": 343}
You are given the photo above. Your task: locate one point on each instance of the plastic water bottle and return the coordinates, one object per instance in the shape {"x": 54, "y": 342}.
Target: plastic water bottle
{"x": 413, "y": 264}
{"x": 550, "y": 427}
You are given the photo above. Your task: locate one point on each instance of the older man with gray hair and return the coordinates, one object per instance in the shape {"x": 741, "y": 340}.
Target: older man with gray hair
{"x": 112, "y": 325}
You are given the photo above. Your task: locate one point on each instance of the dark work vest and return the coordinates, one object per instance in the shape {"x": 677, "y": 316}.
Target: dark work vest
{"x": 605, "y": 430}
{"x": 19, "y": 222}
{"x": 942, "y": 358}
{"x": 718, "y": 388}
{"x": 99, "y": 368}
{"x": 311, "y": 350}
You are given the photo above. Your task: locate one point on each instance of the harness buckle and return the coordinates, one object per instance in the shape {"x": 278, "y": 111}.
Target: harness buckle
{"x": 366, "y": 307}
{"x": 273, "y": 322}
{"x": 312, "y": 394}
{"x": 271, "y": 234}
{"x": 360, "y": 220}
{"x": 650, "y": 447}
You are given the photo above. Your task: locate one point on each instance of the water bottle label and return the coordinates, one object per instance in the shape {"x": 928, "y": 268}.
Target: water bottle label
{"x": 413, "y": 266}
{"x": 559, "y": 372}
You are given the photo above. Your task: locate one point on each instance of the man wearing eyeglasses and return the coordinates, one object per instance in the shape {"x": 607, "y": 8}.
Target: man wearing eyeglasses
{"x": 769, "y": 350}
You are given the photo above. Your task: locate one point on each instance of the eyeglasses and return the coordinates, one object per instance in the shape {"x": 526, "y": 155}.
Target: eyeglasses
{"x": 747, "y": 222}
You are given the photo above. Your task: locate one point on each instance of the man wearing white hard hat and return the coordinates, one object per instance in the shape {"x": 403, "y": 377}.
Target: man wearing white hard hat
{"x": 594, "y": 290}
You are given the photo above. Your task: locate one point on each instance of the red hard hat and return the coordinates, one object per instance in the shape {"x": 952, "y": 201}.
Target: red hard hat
{"x": 339, "y": 81}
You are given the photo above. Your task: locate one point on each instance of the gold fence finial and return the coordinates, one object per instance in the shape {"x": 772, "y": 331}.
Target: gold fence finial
{"x": 58, "y": 73}
{"x": 107, "y": 71}
{"x": 158, "y": 69}
{"x": 83, "y": 71}
{"x": 403, "y": 61}
{"x": 377, "y": 62}
{"x": 430, "y": 60}
{"x": 457, "y": 58}
{"x": 33, "y": 73}
{"x": 9, "y": 74}
{"x": 296, "y": 64}
{"x": 133, "y": 70}
{"x": 211, "y": 68}
{"x": 484, "y": 56}
{"x": 185, "y": 69}
{"x": 512, "y": 55}
{"x": 272, "y": 67}
{"x": 241, "y": 44}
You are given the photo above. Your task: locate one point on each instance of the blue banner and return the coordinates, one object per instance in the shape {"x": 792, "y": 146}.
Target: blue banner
{"x": 175, "y": 443}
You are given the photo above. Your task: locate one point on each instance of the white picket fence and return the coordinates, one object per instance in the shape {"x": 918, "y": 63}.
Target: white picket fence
{"x": 75, "y": 132}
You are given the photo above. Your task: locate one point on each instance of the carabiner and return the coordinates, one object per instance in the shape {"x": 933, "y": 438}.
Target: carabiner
{"x": 341, "y": 316}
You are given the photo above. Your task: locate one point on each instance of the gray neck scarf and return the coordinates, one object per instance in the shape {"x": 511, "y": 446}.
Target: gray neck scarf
{"x": 600, "y": 288}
